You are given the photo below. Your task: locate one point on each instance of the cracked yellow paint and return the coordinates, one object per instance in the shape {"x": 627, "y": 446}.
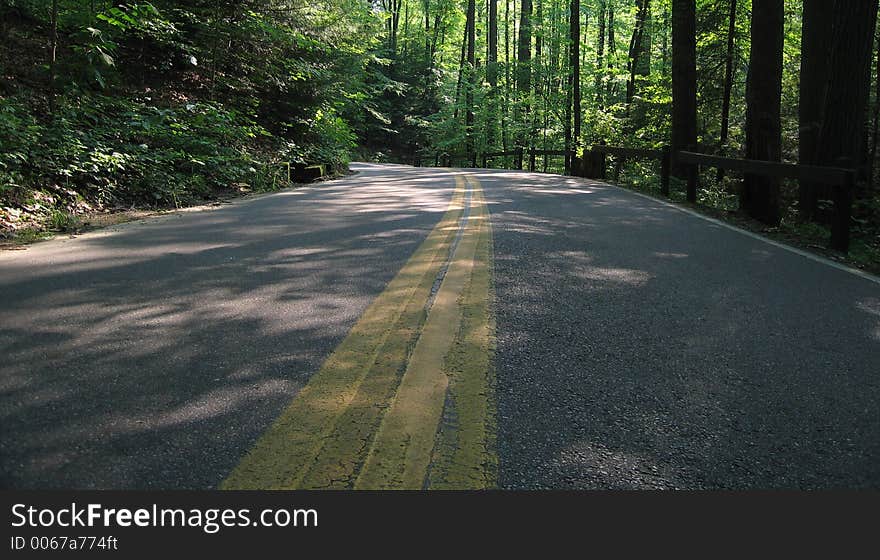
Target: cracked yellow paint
{"x": 464, "y": 451}
{"x": 402, "y": 449}
{"x": 371, "y": 416}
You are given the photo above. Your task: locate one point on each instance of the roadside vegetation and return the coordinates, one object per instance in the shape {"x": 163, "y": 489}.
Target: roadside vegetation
{"x": 107, "y": 106}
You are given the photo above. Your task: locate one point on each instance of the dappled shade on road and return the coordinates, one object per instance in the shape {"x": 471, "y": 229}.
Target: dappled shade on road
{"x": 154, "y": 355}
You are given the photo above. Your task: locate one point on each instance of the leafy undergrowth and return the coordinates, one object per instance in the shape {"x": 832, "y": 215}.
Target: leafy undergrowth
{"x": 142, "y": 112}
{"x": 101, "y": 154}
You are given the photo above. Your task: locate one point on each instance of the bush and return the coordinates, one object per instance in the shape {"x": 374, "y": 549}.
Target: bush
{"x": 122, "y": 151}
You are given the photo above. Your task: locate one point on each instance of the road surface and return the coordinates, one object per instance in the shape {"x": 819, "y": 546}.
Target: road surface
{"x": 633, "y": 345}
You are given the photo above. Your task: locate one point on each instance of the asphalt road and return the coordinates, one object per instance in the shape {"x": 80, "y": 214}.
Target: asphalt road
{"x": 641, "y": 347}
{"x": 637, "y": 346}
{"x": 154, "y": 354}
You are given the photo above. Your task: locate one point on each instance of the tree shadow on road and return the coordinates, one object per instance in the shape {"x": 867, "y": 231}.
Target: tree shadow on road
{"x": 155, "y": 355}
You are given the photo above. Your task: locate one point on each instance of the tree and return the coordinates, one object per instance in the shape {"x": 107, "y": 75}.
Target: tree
{"x": 492, "y": 72}
{"x": 684, "y": 78}
{"x": 875, "y": 127}
{"x": 574, "y": 80}
{"x": 524, "y": 69}
{"x": 611, "y": 54}
{"x": 728, "y": 80}
{"x": 842, "y": 134}
{"x": 636, "y": 50}
{"x": 471, "y": 73}
{"x": 575, "y": 67}
{"x": 760, "y": 195}
{"x": 53, "y": 53}
{"x": 600, "y": 55}
{"x": 816, "y": 33}
{"x": 392, "y": 7}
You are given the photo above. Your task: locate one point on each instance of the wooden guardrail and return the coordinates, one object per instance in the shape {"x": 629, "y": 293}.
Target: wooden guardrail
{"x": 593, "y": 157}
{"x": 594, "y": 165}
{"x": 445, "y": 159}
{"x": 485, "y": 158}
{"x": 516, "y": 154}
{"x": 841, "y": 179}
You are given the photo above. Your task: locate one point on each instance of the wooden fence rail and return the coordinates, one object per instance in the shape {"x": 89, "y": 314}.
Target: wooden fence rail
{"x": 593, "y": 165}
{"x": 841, "y": 179}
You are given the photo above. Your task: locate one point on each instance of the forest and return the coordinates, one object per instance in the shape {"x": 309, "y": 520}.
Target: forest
{"x": 108, "y": 105}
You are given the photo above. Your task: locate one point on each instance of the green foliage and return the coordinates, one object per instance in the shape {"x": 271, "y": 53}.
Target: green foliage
{"x": 116, "y": 150}
{"x": 19, "y": 132}
{"x": 64, "y": 221}
{"x": 163, "y": 103}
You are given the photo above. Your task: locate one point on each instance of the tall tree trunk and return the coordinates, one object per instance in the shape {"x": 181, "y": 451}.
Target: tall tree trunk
{"x": 760, "y": 195}
{"x": 644, "y": 65}
{"x": 437, "y": 27}
{"x": 538, "y": 69}
{"x": 471, "y": 74}
{"x": 523, "y": 70}
{"x": 492, "y": 73}
{"x": 538, "y": 33}
{"x": 395, "y": 22}
{"x": 611, "y": 54}
{"x": 684, "y": 78}
{"x": 504, "y": 133}
{"x": 574, "y": 79}
{"x": 53, "y": 48}
{"x": 427, "y": 13}
{"x": 636, "y": 49}
{"x": 553, "y": 72}
{"x": 461, "y": 70}
{"x": 600, "y": 56}
{"x": 728, "y": 81}
{"x": 566, "y": 116}
{"x": 816, "y": 36}
{"x": 585, "y": 44}
{"x": 664, "y": 43}
{"x": 872, "y": 162}
{"x": 492, "y": 53}
{"x": 842, "y": 135}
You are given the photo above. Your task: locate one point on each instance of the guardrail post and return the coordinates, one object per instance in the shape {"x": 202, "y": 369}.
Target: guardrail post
{"x": 693, "y": 172}
{"x": 665, "y": 166}
{"x": 589, "y": 165}
{"x": 842, "y": 213}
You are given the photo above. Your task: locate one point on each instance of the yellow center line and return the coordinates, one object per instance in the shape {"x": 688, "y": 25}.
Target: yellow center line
{"x": 402, "y": 449}
{"x": 464, "y": 449}
{"x": 371, "y": 416}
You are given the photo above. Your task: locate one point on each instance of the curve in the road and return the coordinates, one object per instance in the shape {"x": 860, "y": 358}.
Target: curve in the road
{"x": 630, "y": 345}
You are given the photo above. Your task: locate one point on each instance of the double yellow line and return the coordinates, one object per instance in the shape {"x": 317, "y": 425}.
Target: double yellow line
{"x": 406, "y": 401}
